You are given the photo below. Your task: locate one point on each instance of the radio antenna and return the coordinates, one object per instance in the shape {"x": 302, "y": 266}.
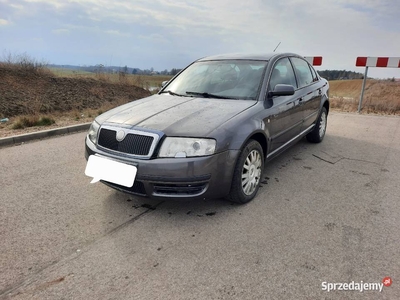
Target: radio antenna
{"x": 277, "y": 46}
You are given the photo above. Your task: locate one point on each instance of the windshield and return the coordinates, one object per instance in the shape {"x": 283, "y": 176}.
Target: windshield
{"x": 226, "y": 79}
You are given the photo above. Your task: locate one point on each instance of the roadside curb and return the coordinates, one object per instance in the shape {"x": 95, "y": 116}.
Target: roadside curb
{"x": 18, "y": 139}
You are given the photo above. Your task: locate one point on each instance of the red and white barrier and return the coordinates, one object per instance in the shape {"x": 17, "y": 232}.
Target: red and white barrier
{"x": 314, "y": 60}
{"x": 379, "y": 62}
{"x": 375, "y": 62}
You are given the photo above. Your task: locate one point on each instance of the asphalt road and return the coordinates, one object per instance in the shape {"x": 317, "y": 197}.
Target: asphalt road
{"x": 326, "y": 213}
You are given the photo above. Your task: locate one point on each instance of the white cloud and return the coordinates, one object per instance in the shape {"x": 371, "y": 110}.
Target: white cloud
{"x": 3, "y": 22}
{"x": 117, "y": 32}
{"x": 55, "y": 3}
{"x": 16, "y": 6}
{"x": 60, "y": 31}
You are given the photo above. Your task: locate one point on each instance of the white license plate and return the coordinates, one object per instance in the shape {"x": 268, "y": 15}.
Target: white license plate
{"x": 101, "y": 168}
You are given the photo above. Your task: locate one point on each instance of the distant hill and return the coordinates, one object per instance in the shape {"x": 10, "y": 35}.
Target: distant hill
{"x": 115, "y": 69}
{"x": 99, "y": 68}
{"x": 327, "y": 74}
{"x": 340, "y": 74}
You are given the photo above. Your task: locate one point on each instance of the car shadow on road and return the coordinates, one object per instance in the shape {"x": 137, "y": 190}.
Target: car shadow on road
{"x": 201, "y": 209}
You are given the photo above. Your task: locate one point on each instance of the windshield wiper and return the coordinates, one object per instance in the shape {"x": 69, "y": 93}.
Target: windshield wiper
{"x": 172, "y": 93}
{"x": 207, "y": 95}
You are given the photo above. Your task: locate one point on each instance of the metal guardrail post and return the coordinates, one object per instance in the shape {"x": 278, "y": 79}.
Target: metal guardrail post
{"x": 362, "y": 90}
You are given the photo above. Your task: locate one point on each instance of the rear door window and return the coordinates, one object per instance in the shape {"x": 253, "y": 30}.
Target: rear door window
{"x": 303, "y": 72}
{"x": 314, "y": 73}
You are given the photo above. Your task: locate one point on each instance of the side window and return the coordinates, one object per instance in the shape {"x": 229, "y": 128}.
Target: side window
{"x": 282, "y": 73}
{"x": 314, "y": 74}
{"x": 303, "y": 72}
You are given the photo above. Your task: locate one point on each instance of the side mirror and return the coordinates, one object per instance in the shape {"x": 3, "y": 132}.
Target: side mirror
{"x": 282, "y": 90}
{"x": 164, "y": 83}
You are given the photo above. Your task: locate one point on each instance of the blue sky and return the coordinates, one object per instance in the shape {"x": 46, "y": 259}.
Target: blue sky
{"x": 164, "y": 34}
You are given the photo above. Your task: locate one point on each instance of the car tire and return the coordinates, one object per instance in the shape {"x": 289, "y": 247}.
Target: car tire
{"x": 249, "y": 166}
{"x": 318, "y": 133}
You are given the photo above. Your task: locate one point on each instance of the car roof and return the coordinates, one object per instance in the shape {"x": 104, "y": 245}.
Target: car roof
{"x": 254, "y": 56}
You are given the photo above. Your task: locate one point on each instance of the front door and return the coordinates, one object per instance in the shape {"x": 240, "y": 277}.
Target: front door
{"x": 285, "y": 118}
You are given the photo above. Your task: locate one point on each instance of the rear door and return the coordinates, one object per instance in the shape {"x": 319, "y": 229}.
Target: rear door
{"x": 309, "y": 91}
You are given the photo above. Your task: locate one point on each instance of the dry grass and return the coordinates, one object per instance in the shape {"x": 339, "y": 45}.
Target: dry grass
{"x": 143, "y": 81}
{"x": 31, "y": 121}
{"x": 25, "y": 65}
{"x": 380, "y": 96}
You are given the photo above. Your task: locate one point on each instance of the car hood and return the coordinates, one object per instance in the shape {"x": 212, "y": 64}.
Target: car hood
{"x": 176, "y": 116}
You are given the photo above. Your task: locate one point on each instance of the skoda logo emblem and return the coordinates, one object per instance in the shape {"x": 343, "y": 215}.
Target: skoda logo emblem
{"x": 120, "y": 135}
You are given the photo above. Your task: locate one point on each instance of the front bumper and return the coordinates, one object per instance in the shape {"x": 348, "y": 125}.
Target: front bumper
{"x": 179, "y": 178}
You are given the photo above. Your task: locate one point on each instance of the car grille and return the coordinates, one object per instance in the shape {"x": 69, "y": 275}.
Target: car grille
{"x": 133, "y": 143}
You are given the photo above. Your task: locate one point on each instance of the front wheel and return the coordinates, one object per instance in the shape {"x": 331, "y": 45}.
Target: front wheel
{"x": 247, "y": 173}
{"x": 318, "y": 133}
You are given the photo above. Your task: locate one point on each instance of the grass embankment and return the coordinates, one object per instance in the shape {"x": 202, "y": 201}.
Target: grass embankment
{"x": 33, "y": 95}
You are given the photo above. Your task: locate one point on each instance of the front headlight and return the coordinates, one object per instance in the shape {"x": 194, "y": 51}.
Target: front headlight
{"x": 187, "y": 147}
{"x": 93, "y": 130}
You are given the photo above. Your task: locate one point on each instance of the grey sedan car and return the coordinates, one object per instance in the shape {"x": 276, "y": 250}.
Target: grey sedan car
{"x": 210, "y": 129}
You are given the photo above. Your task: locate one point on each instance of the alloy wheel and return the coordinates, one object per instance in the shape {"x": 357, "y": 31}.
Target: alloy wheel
{"x": 251, "y": 172}
{"x": 322, "y": 124}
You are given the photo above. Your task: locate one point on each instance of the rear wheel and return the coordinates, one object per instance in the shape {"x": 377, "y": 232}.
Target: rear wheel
{"x": 247, "y": 174}
{"x": 318, "y": 133}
